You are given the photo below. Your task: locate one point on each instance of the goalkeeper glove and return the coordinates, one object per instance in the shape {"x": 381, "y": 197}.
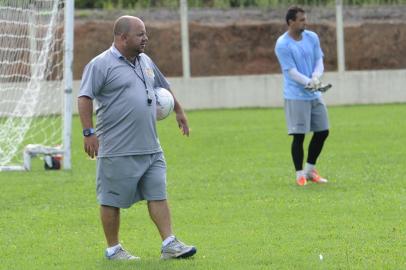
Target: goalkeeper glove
{"x": 316, "y": 85}
{"x": 321, "y": 88}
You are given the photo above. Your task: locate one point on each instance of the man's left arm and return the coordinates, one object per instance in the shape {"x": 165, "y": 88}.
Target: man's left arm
{"x": 160, "y": 81}
{"x": 180, "y": 116}
{"x": 318, "y": 69}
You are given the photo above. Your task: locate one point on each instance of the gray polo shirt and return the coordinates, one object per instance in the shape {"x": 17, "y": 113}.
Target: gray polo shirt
{"x": 126, "y": 121}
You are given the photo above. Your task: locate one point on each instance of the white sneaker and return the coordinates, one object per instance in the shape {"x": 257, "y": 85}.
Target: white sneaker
{"x": 176, "y": 249}
{"x": 121, "y": 254}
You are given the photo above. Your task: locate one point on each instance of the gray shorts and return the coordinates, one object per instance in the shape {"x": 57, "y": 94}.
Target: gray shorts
{"x": 125, "y": 180}
{"x": 303, "y": 116}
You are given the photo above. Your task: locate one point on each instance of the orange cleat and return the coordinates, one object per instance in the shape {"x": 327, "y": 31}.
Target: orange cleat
{"x": 315, "y": 177}
{"x": 301, "y": 180}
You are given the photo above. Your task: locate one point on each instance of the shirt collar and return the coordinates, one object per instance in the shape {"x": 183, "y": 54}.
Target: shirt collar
{"x": 116, "y": 52}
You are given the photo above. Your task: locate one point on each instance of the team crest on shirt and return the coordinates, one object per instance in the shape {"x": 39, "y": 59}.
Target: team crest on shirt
{"x": 149, "y": 72}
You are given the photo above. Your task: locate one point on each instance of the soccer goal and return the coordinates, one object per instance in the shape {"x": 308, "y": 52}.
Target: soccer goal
{"x": 36, "y": 54}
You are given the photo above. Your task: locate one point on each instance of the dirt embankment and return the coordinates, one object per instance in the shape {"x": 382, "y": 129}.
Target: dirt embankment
{"x": 240, "y": 41}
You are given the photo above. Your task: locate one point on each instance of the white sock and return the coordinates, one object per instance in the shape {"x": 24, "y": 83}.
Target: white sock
{"x": 113, "y": 249}
{"x": 168, "y": 240}
{"x": 299, "y": 174}
{"x": 309, "y": 167}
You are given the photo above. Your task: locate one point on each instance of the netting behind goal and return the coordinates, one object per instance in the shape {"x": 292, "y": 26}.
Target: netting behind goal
{"x": 31, "y": 76}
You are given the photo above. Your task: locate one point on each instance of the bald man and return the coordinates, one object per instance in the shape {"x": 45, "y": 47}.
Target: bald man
{"x": 130, "y": 163}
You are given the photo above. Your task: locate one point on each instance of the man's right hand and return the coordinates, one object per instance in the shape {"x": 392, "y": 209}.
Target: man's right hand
{"x": 91, "y": 145}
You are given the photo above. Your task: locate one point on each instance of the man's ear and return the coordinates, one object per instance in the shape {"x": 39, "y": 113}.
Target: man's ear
{"x": 123, "y": 37}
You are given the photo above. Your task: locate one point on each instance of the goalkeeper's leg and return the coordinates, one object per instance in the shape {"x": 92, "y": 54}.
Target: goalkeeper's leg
{"x": 297, "y": 157}
{"x": 315, "y": 147}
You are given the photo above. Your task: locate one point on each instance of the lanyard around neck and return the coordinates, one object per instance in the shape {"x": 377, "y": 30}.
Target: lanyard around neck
{"x": 134, "y": 66}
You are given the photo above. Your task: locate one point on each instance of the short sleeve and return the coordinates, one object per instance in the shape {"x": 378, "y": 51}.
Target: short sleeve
{"x": 92, "y": 81}
{"x": 160, "y": 80}
{"x": 284, "y": 56}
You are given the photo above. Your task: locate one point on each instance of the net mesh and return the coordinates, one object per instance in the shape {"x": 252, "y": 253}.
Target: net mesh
{"x": 31, "y": 76}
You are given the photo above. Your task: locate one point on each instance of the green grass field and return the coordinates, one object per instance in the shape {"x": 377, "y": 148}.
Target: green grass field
{"x": 232, "y": 194}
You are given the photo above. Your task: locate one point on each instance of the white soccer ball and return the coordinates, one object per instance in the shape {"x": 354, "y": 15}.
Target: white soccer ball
{"x": 164, "y": 103}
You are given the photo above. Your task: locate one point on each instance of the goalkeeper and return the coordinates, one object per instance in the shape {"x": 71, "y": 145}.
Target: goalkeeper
{"x": 301, "y": 60}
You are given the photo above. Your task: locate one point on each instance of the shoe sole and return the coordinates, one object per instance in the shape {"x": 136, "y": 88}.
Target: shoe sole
{"x": 319, "y": 182}
{"x": 123, "y": 259}
{"x": 301, "y": 184}
{"x": 185, "y": 255}
{"x": 188, "y": 254}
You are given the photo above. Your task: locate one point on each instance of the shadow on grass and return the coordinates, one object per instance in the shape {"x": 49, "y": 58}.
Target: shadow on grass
{"x": 190, "y": 263}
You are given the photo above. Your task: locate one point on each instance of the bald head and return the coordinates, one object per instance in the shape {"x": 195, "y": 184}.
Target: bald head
{"x": 123, "y": 24}
{"x": 130, "y": 36}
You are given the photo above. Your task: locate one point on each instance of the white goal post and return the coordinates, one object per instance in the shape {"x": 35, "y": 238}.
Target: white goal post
{"x": 36, "y": 57}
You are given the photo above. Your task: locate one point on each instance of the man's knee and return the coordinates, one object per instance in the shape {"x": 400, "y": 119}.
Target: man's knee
{"x": 322, "y": 135}
{"x": 158, "y": 204}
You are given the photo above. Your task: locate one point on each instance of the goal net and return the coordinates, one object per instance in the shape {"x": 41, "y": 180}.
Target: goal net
{"x": 32, "y": 86}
